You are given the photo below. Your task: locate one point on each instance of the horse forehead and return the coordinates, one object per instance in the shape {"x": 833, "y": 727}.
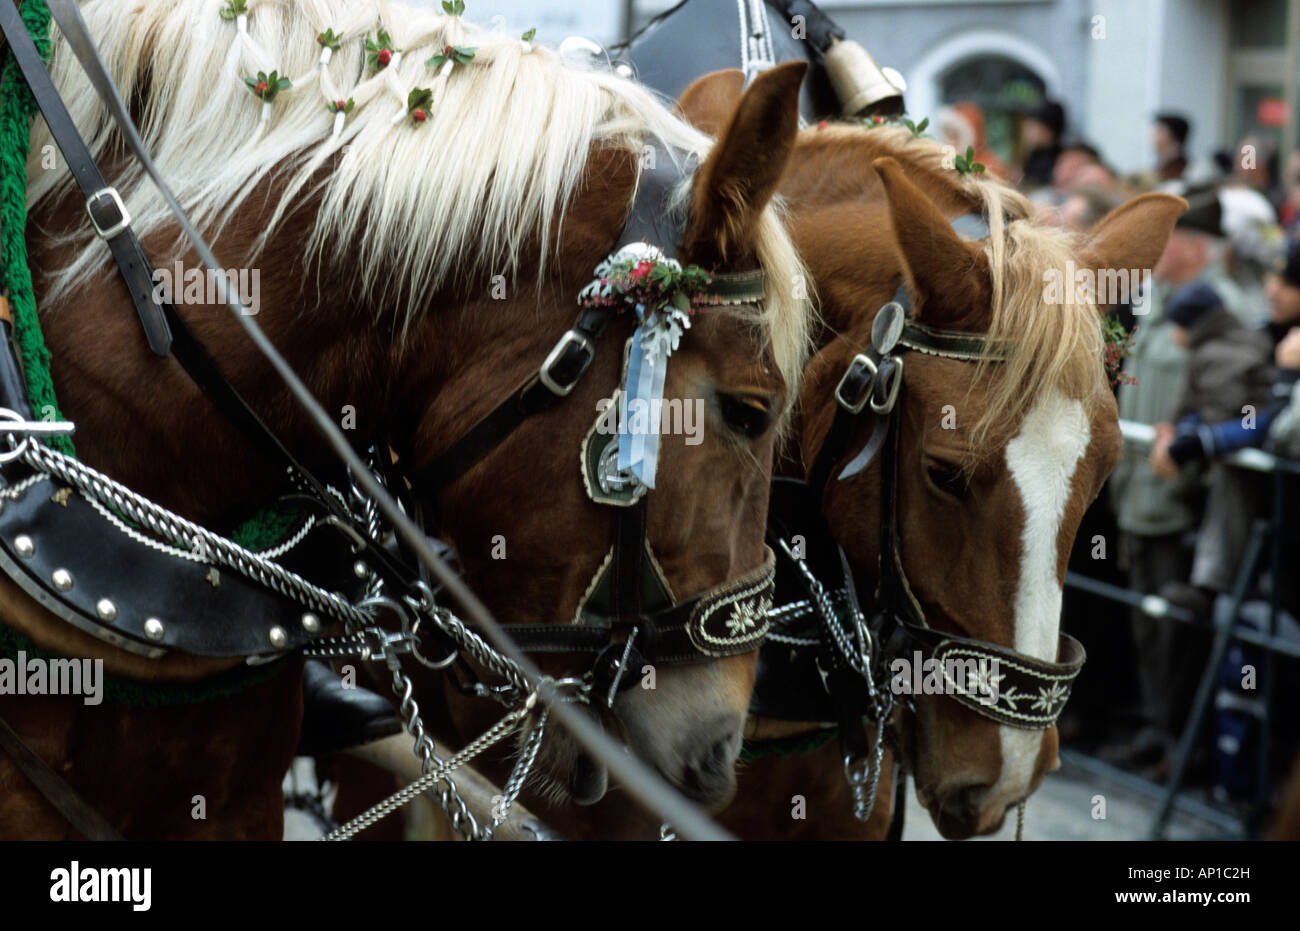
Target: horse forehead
{"x": 1043, "y": 458}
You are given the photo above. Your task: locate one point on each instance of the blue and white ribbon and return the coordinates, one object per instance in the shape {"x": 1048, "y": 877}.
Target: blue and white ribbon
{"x": 653, "y": 341}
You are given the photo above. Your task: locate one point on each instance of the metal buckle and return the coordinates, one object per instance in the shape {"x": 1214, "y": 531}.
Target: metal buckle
{"x": 124, "y": 218}
{"x": 859, "y": 362}
{"x": 892, "y": 386}
{"x": 571, "y": 337}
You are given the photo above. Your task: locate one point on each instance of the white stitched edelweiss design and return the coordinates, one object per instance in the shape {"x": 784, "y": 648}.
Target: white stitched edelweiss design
{"x": 747, "y": 615}
{"x": 1050, "y": 698}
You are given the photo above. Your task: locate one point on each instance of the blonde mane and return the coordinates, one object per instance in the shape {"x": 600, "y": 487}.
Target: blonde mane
{"x": 471, "y": 192}
{"x": 1049, "y": 346}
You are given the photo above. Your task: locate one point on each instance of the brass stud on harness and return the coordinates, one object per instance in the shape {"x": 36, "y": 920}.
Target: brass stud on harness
{"x": 24, "y": 546}
{"x": 360, "y": 569}
{"x": 310, "y": 623}
{"x": 153, "y": 629}
{"x": 279, "y": 638}
{"x": 106, "y": 609}
{"x": 62, "y": 580}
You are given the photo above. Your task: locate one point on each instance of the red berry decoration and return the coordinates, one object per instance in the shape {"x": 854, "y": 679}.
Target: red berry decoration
{"x": 823, "y": 124}
{"x": 340, "y": 105}
{"x": 260, "y": 87}
{"x": 385, "y": 56}
{"x": 419, "y": 115}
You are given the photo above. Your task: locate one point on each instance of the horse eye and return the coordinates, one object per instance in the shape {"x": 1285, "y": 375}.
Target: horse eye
{"x": 950, "y": 480}
{"x": 748, "y": 416}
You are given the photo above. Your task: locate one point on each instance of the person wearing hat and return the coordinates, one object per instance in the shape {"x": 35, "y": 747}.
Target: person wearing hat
{"x": 1154, "y": 513}
{"x": 1170, "y": 141}
{"x": 1040, "y": 139}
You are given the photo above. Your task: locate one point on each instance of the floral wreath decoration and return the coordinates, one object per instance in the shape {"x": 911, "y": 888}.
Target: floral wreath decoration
{"x": 663, "y": 295}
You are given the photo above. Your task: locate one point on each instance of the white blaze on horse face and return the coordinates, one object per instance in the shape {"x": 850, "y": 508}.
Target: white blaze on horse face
{"x": 1042, "y": 458}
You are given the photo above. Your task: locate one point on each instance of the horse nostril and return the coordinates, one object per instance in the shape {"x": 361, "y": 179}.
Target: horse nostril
{"x": 966, "y": 801}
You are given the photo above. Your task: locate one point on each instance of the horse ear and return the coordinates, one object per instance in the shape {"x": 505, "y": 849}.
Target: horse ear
{"x": 1134, "y": 234}
{"x": 710, "y": 100}
{"x": 741, "y": 173}
{"x": 946, "y": 273}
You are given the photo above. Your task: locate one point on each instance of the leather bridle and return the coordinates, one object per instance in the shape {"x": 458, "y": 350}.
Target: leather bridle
{"x": 1031, "y": 692}
{"x": 628, "y": 616}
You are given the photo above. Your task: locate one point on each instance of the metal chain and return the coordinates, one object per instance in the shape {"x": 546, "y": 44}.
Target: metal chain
{"x": 523, "y": 766}
{"x": 862, "y": 775}
{"x": 434, "y": 774}
{"x": 450, "y": 801}
{"x": 188, "y": 535}
{"x": 1020, "y": 820}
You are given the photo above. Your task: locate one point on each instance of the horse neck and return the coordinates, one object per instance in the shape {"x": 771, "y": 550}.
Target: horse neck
{"x": 142, "y": 419}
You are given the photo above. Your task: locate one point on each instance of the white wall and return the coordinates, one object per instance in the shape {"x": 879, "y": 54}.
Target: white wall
{"x": 1157, "y": 55}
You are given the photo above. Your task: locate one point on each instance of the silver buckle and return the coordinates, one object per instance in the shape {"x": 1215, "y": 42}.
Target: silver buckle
{"x": 124, "y": 218}
{"x": 856, "y": 407}
{"x": 891, "y": 389}
{"x": 544, "y": 373}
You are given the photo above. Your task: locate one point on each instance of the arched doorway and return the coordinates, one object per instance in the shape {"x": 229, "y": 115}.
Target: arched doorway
{"x": 1006, "y": 74}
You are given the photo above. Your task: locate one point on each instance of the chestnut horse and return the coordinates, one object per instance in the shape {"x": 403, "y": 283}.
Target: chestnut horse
{"x": 997, "y": 462}
{"x": 413, "y": 272}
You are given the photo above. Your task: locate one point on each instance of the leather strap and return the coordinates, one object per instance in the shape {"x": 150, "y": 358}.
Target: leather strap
{"x": 74, "y": 809}
{"x": 102, "y": 201}
{"x": 563, "y": 367}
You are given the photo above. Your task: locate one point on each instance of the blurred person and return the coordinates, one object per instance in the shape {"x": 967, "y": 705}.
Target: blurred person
{"x": 1086, "y": 205}
{"x": 1227, "y": 391}
{"x": 1289, "y": 212}
{"x": 1169, "y": 139}
{"x": 1155, "y": 513}
{"x": 1040, "y": 143}
{"x": 1072, "y": 160}
{"x": 1255, "y": 166}
{"x": 963, "y": 126}
{"x": 1257, "y": 243}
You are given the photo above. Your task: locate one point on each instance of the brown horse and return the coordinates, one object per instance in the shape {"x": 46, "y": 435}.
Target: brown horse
{"x": 998, "y": 462}
{"x": 413, "y": 271}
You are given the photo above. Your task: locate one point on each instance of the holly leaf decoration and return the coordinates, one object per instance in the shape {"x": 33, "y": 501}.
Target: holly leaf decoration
{"x": 966, "y": 164}
{"x": 266, "y": 86}
{"x": 461, "y": 54}
{"x": 530, "y": 35}
{"x": 417, "y": 103}
{"x": 454, "y": 7}
{"x": 341, "y": 106}
{"x": 234, "y": 9}
{"x": 330, "y": 40}
{"x": 380, "y": 50}
{"x": 916, "y": 128}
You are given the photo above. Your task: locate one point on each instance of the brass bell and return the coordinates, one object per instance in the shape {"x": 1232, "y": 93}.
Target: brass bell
{"x": 862, "y": 87}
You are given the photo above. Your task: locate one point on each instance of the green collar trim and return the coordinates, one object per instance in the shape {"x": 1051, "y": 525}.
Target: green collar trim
{"x": 797, "y": 745}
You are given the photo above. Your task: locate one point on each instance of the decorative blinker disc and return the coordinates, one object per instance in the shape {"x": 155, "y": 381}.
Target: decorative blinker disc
{"x": 887, "y": 328}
